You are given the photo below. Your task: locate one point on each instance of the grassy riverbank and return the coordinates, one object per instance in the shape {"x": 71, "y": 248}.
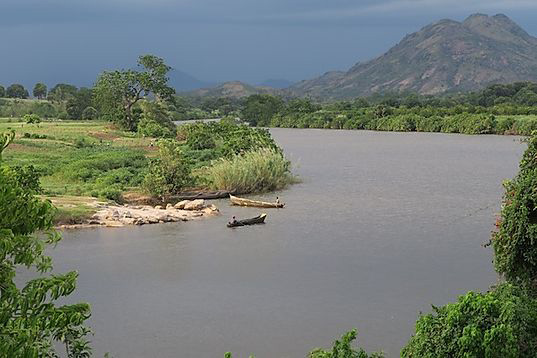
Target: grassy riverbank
{"x": 78, "y": 161}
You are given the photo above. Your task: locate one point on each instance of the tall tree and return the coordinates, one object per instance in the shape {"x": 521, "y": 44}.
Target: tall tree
{"x": 2, "y": 91}
{"x": 40, "y": 90}
{"x": 61, "y": 92}
{"x": 77, "y": 103}
{"x": 16, "y": 91}
{"x": 116, "y": 93}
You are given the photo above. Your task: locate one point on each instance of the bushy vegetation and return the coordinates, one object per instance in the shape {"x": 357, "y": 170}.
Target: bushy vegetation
{"x": 155, "y": 121}
{"x": 102, "y": 172}
{"x": 225, "y": 139}
{"x": 499, "y": 109}
{"x": 254, "y": 171}
{"x": 32, "y": 323}
{"x": 515, "y": 245}
{"x": 343, "y": 349}
{"x": 169, "y": 173}
{"x": 409, "y": 120}
{"x": 501, "y": 323}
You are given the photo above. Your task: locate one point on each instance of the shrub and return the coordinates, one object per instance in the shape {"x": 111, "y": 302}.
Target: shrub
{"x": 343, "y": 349}
{"x": 515, "y": 245}
{"x": 31, "y": 118}
{"x": 476, "y": 124}
{"x": 82, "y": 142}
{"x": 504, "y": 125}
{"x": 525, "y": 126}
{"x": 155, "y": 121}
{"x": 256, "y": 171}
{"x": 499, "y": 324}
{"x": 89, "y": 113}
{"x": 429, "y": 124}
{"x": 27, "y": 177}
{"x": 168, "y": 173}
{"x": 227, "y": 139}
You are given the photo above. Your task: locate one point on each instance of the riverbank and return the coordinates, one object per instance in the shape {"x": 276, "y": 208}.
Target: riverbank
{"x": 83, "y": 165}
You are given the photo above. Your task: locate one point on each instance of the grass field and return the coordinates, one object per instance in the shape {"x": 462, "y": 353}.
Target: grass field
{"x": 79, "y": 159}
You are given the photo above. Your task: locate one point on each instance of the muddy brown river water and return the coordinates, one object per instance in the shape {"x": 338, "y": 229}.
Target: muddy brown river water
{"x": 382, "y": 226}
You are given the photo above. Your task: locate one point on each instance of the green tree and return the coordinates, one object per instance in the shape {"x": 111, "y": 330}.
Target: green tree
{"x": 343, "y": 349}
{"x": 31, "y": 322}
{"x": 259, "y": 108}
{"x": 78, "y": 102}
{"x": 515, "y": 242}
{"x": 89, "y": 113}
{"x": 61, "y": 92}
{"x": 155, "y": 121}
{"x": 16, "y": 91}
{"x": 168, "y": 173}
{"x": 501, "y": 323}
{"x": 117, "y": 92}
{"x": 40, "y": 90}
{"x": 2, "y": 92}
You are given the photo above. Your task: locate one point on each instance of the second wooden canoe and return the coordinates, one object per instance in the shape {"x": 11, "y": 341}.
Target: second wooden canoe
{"x": 255, "y": 203}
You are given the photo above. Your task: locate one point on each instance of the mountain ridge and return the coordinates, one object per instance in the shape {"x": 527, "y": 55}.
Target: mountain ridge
{"x": 443, "y": 56}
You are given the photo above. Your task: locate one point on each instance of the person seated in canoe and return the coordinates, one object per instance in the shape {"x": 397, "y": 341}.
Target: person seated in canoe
{"x": 233, "y": 221}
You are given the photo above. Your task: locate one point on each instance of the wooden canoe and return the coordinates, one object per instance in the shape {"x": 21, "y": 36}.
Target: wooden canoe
{"x": 257, "y": 220}
{"x": 256, "y": 203}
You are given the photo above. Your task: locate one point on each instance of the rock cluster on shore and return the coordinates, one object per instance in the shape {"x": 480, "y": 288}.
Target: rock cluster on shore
{"x": 116, "y": 215}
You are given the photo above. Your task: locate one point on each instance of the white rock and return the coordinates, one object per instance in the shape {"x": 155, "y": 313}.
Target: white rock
{"x": 197, "y": 204}
{"x": 181, "y": 204}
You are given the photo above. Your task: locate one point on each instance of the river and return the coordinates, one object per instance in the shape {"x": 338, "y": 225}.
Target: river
{"x": 382, "y": 226}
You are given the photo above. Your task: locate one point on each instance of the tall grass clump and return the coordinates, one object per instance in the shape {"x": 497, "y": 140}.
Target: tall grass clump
{"x": 260, "y": 170}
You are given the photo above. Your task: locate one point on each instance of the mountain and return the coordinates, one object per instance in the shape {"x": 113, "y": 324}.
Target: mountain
{"x": 444, "y": 56}
{"x": 233, "y": 89}
{"x": 182, "y": 81}
{"x": 276, "y": 83}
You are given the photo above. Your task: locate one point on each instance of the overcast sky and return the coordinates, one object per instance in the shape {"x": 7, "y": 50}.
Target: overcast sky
{"x": 217, "y": 40}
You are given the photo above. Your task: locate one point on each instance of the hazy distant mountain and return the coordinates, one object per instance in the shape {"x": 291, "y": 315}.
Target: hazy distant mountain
{"x": 182, "y": 81}
{"x": 276, "y": 83}
{"x": 233, "y": 89}
{"x": 446, "y": 55}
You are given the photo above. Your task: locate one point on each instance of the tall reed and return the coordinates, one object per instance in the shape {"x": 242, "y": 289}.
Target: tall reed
{"x": 255, "y": 171}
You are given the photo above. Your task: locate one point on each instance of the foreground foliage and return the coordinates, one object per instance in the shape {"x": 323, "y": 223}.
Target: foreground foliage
{"x": 499, "y": 324}
{"x": 515, "y": 242}
{"x": 31, "y": 322}
{"x": 343, "y": 349}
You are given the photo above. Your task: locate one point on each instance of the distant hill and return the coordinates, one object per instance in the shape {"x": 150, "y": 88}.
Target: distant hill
{"x": 233, "y": 89}
{"x": 276, "y": 83}
{"x": 182, "y": 81}
{"x": 444, "y": 56}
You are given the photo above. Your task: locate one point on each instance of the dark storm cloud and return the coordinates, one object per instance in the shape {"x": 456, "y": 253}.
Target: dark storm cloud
{"x": 251, "y": 40}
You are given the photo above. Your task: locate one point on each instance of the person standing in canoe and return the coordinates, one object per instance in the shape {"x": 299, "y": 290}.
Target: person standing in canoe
{"x": 278, "y": 201}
